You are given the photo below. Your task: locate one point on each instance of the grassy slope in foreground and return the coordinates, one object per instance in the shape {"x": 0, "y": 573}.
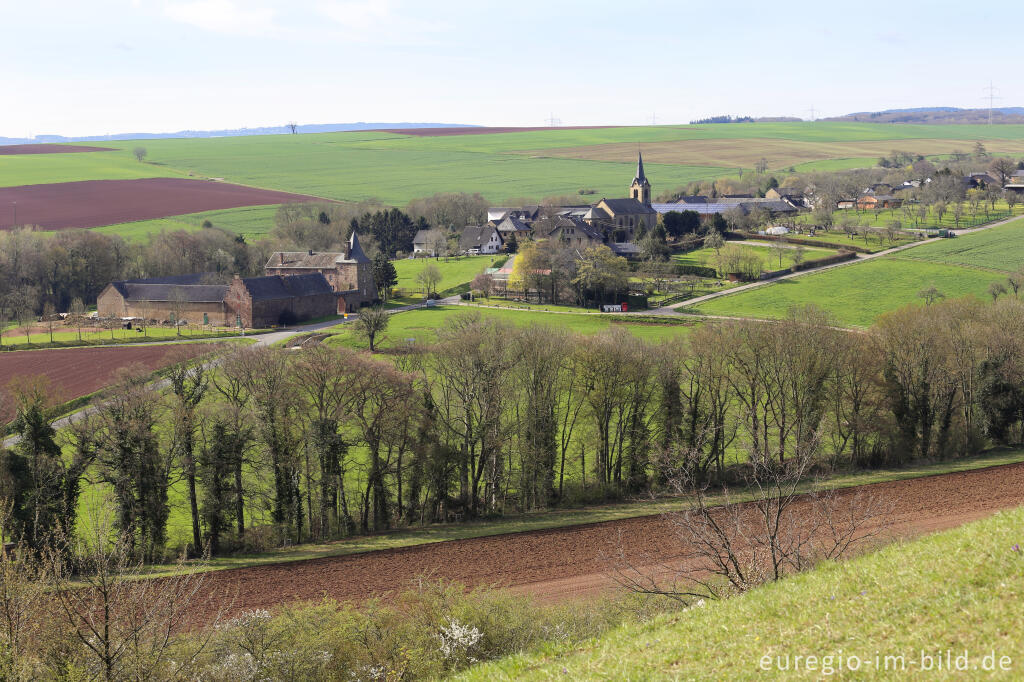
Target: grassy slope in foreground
{"x": 558, "y": 518}
{"x": 957, "y": 590}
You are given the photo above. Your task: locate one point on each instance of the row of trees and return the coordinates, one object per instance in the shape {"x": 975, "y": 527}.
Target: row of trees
{"x": 493, "y": 417}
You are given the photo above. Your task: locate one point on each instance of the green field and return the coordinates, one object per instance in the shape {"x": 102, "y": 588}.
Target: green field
{"x": 706, "y": 257}
{"x": 421, "y": 324}
{"x": 910, "y": 220}
{"x": 396, "y": 168}
{"x": 858, "y": 293}
{"x": 455, "y": 272}
{"x": 252, "y": 222}
{"x": 855, "y": 294}
{"x": 958, "y": 590}
{"x": 999, "y": 248}
{"x": 37, "y": 169}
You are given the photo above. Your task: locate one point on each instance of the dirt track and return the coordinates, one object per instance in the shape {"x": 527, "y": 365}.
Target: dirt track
{"x": 93, "y": 203}
{"x": 571, "y": 562}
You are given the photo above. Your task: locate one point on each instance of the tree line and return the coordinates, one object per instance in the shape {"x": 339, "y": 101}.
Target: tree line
{"x": 494, "y": 418}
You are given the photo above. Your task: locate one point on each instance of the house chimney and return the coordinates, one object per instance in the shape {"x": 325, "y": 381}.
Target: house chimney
{"x": 280, "y": 257}
{"x": 311, "y": 252}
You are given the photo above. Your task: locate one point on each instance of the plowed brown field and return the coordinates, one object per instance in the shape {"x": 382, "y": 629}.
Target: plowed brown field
{"x": 571, "y": 562}
{"x": 75, "y": 372}
{"x": 93, "y": 203}
{"x": 15, "y": 149}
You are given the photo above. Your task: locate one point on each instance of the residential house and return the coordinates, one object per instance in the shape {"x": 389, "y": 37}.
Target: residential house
{"x": 790, "y": 195}
{"x": 426, "y": 243}
{"x": 480, "y": 239}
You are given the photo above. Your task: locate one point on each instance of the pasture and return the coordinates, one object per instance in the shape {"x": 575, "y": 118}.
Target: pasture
{"x": 455, "y": 272}
{"x": 998, "y": 248}
{"x": 769, "y": 255}
{"x": 420, "y": 325}
{"x": 855, "y": 294}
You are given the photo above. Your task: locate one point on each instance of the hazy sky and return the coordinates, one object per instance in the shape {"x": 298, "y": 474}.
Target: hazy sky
{"x": 107, "y": 66}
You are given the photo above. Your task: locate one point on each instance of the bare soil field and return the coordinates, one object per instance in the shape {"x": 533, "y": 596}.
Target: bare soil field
{"x": 93, "y": 203}
{"x": 480, "y": 130}
{"x": 15, "y": 149}
{"x": 571, "y": 562}
{"x": 778, "y": 152}
{"x": 75, "y": 372}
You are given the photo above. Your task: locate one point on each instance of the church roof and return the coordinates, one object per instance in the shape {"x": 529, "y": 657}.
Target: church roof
{"x": 640, "y": 178}
{"x": 627, "y": 206}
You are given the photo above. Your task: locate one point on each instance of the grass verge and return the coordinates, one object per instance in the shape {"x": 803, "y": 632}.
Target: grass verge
{"x": 888, "y": 613}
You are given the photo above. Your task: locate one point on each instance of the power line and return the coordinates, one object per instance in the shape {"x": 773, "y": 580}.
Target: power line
{"x": 812, "y": 111}
{"x": 552, "y": 121}
{"x": 991, "y": 97}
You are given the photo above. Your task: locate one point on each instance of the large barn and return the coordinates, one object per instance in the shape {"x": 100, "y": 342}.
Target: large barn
{"x": 251, "y": 302}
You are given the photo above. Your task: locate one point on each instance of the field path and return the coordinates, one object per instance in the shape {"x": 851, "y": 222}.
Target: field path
{"x": 564, "y": 563}
{"x": 861, "y": 257}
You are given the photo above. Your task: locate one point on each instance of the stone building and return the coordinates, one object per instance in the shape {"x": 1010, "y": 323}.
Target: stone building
{"x": 252, "y": 302}
{"x": 279, "y": 299}
{"x": 350, "y": 272}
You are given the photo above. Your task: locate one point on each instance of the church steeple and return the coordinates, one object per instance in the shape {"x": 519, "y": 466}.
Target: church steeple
{"x": 640, "y": 189}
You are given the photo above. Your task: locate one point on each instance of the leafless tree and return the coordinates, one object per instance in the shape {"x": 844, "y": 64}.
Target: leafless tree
{"x": 124, "y": 626}
{"x": 293, "y": 127}
{"x": 740, "y": 545}
{"x": 139, "y": 153}
{"x": 371, "y": 323}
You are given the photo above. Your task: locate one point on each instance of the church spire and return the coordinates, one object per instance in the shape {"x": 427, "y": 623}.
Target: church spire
{"x": 640, "y": 177}
{"x": 640, "y": 189}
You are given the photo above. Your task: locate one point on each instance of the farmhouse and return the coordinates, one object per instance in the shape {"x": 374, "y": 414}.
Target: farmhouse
{"x": 249, "y": 302}
{"x": 350, "y": 273}
{"x": 876, "y": 201}
{"x": 426, "y": 242}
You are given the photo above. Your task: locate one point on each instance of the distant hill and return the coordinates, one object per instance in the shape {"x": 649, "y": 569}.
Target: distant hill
{"x": 943, "y": 115}
{"x": 236, "y": 132}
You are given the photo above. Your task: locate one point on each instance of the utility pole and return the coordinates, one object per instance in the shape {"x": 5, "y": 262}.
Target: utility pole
{"x": 812, "y": 111}
{"x": 991, "y": 97}
{"x": 552, "y": 121}
{"x": 654, "y": 119}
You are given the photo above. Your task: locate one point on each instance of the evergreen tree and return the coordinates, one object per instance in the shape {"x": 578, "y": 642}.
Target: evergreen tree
{"x": 384, "y": 275}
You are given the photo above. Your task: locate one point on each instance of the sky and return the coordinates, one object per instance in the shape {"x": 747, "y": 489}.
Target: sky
{"x": 95, "y": 67}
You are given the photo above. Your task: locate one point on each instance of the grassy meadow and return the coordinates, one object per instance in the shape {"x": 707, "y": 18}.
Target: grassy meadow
{"x": 856, "y": 294}
{"x": 421, "y": 324}
{"x": 957, "y": 590}
{"x": 456, "y": 274}
{"x": 770, "y": 257}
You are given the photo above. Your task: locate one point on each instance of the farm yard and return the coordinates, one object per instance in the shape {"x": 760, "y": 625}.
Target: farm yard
{"x": 103, "y": 202}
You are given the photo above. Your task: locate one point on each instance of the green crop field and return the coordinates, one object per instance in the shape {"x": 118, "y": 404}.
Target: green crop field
{"x": 958, "y": 590}
{"x": 39, "y": 169}
{"x": 909, "y": 218}
{"x": 396, "y": 168}
{"x": 854, "y": 294}
{"x": 252, "y": 222}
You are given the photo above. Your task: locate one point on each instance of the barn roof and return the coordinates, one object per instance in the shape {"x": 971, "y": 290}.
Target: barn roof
{"x": 273, "y": 287}
{"x": 137, "y": 292}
